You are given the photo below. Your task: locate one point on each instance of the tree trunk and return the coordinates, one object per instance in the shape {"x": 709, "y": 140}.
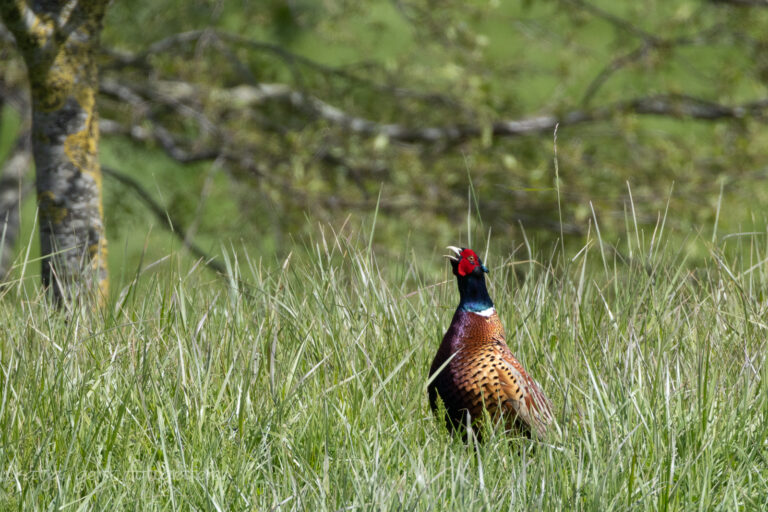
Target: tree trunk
{"x": 57, "y": 40}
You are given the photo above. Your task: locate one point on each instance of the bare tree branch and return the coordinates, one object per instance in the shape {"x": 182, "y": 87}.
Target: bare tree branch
{"x": 612, "y": 67}
{"x": 646, "y": 47}
{"x": 650, "y": 42}
{"x": 119, "y": 59}
{"x": 172, "y": 224}
{"x": 177, "y": 116}
{"x": 617, "y": 21}
{"x": 179, "y": 95}
{"x": 161, "y": 136}
{"x": 261, "y": 164}
{"x": 668, "y": 105}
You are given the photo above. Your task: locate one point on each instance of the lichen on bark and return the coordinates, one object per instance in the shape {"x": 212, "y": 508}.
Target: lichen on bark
{"x": 57, "y": 40}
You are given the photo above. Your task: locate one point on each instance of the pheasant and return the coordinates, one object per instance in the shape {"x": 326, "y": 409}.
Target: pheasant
{"x": 475, "y": 368}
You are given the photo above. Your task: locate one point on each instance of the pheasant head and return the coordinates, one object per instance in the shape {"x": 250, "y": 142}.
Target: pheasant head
{"x": 470, "y": 278}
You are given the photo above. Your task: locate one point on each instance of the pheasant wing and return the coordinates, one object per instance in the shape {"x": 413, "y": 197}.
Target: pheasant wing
{"x": 522, "y": 395}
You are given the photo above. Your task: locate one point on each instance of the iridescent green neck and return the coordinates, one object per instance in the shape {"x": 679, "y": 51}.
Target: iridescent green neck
{"x": 473, "y": 293}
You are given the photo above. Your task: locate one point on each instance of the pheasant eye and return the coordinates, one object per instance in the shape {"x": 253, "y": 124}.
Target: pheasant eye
{"x": 466, "y": 267}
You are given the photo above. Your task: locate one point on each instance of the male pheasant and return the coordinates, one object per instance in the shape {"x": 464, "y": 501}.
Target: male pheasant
{"x": 481, "y": 372}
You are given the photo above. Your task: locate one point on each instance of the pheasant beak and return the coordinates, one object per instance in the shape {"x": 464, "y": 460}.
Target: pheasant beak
{"x": 456, "y": 250}
{"x": 484, "y": 268}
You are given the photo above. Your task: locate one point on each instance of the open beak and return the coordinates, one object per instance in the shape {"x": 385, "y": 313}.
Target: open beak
{"x": 456, "y": 250}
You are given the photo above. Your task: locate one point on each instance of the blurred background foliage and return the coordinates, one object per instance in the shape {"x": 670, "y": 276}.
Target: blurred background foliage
{"x": 249, "y": 123}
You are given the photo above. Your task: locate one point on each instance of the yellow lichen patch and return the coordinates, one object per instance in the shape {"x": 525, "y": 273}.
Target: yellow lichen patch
{"x": 81, "y": 147}
{"x": 91, "y": 165}
{"x": 97, "y": 253}
{"x": 32, "y": 31}
{"x": 50, "y": 211}
{"x": 53, "y": 81}
{"x": 52, "y": 94}
{"x": 41, "y": 30}
{"x": 85, "y": 95}
{"x": 98, "y": 258}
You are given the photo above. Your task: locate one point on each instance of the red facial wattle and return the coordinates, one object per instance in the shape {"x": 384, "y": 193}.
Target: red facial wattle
{"x": 468, "y": 263}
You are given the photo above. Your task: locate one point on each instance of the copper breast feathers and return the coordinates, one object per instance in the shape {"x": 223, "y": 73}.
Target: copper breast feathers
{"x": 483, "y": 374}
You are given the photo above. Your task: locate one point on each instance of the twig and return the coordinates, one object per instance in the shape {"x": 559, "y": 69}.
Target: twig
{"x": 612, "y": 67}
{"x": 647, "y": 46}
{"x": 159, "y": 135}
{"x": 119, "y": 59}
{"x": 614, "y": 20}
{"x": 165, "y": 218}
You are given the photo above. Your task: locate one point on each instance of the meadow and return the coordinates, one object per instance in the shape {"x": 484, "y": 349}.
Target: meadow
{"x": 628, "y": 261}
{"x": 300, "y": 384}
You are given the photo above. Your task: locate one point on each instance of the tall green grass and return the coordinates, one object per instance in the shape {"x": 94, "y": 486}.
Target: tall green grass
{"x": 300, "y": 384}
